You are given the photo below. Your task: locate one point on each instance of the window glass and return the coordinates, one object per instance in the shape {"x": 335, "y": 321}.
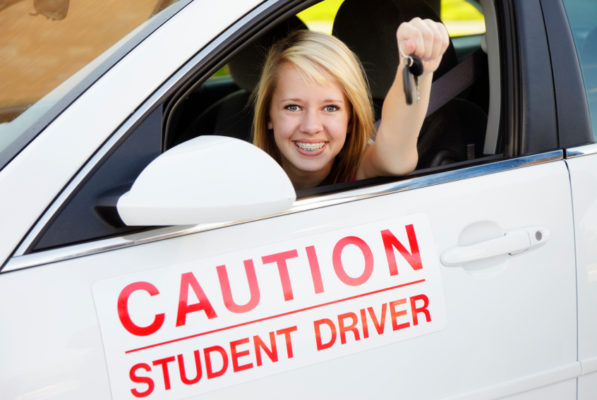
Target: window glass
{"x": 582, "y": 15}
{"x": 46, "y": 43}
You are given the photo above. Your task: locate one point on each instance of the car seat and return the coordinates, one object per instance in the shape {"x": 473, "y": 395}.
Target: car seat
{"x": 232, "y": 115}
{"x": 373, "y": 38}
{"x": 445, "y": 137}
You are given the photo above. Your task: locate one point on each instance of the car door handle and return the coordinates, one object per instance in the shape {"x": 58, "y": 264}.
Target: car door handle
{"x": 513, "y": 242}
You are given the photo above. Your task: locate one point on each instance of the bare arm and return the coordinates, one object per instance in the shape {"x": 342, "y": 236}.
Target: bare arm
{"x": 395, "y": 149}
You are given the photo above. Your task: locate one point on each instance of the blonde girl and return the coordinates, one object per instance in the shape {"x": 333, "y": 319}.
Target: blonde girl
{"x": 314, "y": 115}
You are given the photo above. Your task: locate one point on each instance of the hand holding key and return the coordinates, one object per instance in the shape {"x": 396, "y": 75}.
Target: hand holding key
{"x": 421, "y": 44}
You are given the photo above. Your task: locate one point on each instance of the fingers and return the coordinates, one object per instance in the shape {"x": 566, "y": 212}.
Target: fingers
{"x": 425, "y": 38}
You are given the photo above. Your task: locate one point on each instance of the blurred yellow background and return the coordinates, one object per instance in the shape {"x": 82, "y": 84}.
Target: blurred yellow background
{"x": 460, "y": 17}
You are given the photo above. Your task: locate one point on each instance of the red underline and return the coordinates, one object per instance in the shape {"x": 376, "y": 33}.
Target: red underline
{"x": 274, "y": 316}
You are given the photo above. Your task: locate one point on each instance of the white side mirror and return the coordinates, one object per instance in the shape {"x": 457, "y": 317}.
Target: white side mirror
{"x": 207, "y": 179}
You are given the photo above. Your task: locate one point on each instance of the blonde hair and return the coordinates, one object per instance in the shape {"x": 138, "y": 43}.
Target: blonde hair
{"x": 318, "y": 56}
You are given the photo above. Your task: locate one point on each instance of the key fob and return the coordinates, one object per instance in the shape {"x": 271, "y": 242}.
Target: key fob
{"x": 416, "y": 67}
{"x": 408, "y": 89}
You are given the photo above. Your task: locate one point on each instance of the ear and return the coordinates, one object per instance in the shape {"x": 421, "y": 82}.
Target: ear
{"x": 270, "y": 126}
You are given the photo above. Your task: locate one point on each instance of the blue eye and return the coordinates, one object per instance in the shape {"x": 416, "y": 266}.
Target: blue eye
{"x": 331, "y": 108}
{"x": 292, "y": 107}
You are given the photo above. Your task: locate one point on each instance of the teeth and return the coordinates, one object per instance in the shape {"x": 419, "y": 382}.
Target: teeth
{"x": 310, "y": 146}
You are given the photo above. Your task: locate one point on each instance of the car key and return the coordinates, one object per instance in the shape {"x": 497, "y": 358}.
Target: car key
{"x": 415, "y": 67}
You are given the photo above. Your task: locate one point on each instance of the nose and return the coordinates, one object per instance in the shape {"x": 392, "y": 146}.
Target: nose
{"x": 311, "y": 122}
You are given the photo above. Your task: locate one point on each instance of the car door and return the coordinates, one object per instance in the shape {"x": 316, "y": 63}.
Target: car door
{"x": 505, "y": 325}
{"x": 578, "y": 135}
{"x": 456, "y": 283}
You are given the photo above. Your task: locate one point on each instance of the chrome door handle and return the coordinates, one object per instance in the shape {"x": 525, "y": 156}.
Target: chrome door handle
{"x": 513, "y": 242}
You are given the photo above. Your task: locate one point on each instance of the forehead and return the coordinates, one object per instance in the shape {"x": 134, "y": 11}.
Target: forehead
{"x": 307, "y": 79}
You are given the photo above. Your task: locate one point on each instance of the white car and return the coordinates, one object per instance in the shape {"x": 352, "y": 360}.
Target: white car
{"x": 147, "y": 250}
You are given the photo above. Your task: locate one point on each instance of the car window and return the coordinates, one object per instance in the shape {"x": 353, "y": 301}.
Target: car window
{"x": 46, "y": 53}
{"x": 583, "y": 21}
{"x": 220, "y": 103}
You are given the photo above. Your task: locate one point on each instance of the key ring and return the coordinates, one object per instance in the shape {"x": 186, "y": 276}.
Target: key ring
{"x": 409, "y": 58}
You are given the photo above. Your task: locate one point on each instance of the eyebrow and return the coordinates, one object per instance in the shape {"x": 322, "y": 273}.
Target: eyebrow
{"x": 330, "y": 100}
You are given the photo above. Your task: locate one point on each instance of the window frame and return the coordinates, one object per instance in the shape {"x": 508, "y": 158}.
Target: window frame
{"x": 574, "y": 119}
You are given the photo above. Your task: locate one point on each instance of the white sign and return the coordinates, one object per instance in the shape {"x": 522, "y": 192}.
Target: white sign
{"x": 188, "y": 329}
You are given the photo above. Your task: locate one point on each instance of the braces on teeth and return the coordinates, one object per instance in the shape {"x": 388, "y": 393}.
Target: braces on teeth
{"x": 310, "y": 146}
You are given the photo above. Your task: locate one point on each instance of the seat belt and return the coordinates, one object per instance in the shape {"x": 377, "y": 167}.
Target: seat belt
{"x": 454, "y": 82}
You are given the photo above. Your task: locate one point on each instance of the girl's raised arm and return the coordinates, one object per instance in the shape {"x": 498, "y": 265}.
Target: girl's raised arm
{"x": 395, "y": 149}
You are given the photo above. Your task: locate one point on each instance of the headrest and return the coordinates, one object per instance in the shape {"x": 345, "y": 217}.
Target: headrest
{"x": 369, "y": 29}
{"x": 246, "y": 66}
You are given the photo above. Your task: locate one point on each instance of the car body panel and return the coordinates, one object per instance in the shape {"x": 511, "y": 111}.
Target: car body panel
{"x": 496, "y": 287}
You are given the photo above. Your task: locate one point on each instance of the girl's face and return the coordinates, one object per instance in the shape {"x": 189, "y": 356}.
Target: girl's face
{"x": 310, "y": 122}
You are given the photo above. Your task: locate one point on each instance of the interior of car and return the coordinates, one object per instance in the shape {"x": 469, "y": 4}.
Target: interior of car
{"x": 453, "y": 132}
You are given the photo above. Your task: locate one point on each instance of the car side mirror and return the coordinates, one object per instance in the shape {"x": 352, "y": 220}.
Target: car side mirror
{"x": 207, "y": 179}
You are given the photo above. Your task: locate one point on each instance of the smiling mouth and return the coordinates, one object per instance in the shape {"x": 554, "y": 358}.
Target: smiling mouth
{"x": 310, "y": 147}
